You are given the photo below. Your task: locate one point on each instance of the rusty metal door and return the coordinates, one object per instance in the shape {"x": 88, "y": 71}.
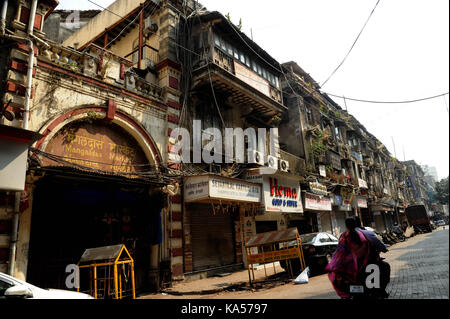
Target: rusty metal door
{"x": 213, "y": 242}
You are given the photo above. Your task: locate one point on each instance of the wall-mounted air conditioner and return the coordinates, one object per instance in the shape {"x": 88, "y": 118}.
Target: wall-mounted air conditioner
{"x": 255, "y": 158}
{"x": 272, "y": 162}
{"x": 284, "y": 166}
{"x": 150, "y": 27}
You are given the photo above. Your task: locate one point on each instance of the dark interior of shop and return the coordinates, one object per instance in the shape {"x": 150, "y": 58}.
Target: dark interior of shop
{"x": 71, "y": 215}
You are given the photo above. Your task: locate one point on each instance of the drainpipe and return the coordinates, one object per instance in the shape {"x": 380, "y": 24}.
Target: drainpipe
{"x": 14, "y": 234}
{"x": 3, "y": 16}
{"x": 30, "y": 65}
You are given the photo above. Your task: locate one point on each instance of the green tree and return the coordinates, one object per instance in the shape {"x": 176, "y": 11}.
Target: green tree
{"x": 441, "y": 191}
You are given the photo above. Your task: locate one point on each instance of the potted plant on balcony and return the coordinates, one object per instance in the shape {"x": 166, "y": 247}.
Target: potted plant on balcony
{"x": 276, "y": 120}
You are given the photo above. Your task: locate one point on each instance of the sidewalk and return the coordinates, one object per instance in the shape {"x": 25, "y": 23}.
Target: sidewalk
{"x": 225, "y": 282}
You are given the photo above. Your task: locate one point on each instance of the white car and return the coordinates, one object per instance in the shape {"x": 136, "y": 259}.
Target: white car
{"x": 11, "y": 287}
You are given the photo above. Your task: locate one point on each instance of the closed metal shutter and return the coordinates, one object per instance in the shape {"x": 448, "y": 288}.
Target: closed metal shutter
{"x": 325, "y": 220}
{"x": 340, "y": 221}
{"x": 212, "y": 237}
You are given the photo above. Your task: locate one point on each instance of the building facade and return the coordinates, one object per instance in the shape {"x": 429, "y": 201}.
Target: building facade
{"x": 104, "y": 98}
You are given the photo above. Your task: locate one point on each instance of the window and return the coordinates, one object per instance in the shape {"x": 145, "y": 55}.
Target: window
{"x": 276, "y": 82}
{"x": 309, "y": 115}
{"x": 229, "y": 49}
{"x": 242, "y": 58}
{"x": 236, "y": 54}
{"x": 3, "y": 287}
{"x": 259, "y": 70}
{"x": 223, "y": 45}
{"x": 247, "y": 61}
{"x": 217, "y": 40}
{"x": 333, "y": 239}
{"x": 323, "y": 238}
{"x": 255, "y": 67}
{"x": 338, "y": 136}
{"x": 264, "y": 74}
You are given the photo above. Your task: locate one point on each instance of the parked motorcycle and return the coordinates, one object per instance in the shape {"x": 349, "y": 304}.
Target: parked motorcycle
{"x": 388, "y": 239}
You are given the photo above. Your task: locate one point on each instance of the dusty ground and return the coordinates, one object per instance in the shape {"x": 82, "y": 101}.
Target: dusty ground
{"x": 420, "y": 270}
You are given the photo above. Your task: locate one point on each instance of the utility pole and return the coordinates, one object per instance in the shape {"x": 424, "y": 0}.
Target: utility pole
{"x": 395, "y": 151}
{"x": 404, "y": 156}
{"x": 345, "y": 102}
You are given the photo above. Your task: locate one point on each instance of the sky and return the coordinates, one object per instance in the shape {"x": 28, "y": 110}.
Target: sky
{"x": 402, "y": 55}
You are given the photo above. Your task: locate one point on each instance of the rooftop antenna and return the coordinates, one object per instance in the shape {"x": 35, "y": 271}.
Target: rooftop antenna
{"x": 345, "y": 102}
{"x": 404, "y": 156}
{"x": 251, "y": 33}
{"x": 395, "y": 151}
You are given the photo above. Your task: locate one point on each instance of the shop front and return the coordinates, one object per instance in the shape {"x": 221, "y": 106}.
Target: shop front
{"x": 89, "y": 191}
{"x": 321, "y": 206}
{"x": 281, "y": 206}
{"x": 383, "y": 217}
{"x": 216, "y": 208}
{"x": 341, "y": 211}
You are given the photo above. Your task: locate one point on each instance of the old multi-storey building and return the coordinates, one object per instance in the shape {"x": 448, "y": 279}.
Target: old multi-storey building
{"x": 103, "y": 104}
{"x": 102, "y": 107}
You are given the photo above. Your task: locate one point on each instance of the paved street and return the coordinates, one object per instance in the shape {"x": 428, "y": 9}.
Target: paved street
{"x": 420, "y": 270}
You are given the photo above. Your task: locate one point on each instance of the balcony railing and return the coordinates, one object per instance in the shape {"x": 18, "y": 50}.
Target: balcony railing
{"x": 102, "y": 65}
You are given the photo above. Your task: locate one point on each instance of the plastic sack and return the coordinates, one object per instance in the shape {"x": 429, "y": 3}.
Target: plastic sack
{"x": 303, "y": 278}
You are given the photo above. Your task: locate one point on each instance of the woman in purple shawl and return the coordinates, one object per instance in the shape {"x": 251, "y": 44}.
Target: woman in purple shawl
{"x": 351, "y": 257}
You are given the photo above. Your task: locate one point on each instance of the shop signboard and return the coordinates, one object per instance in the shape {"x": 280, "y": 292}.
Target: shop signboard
{"x": 318, "y": 203}
{"x": 97, "y": 145}
{"x": 362, "y": 203}
{"x": 345, "y": 208}
{"x": 362, "y": 183}
{"x": 323, "y": 170}
{"x": 338, "y": 200}
{"x": 280, "y": 193}
{"x": 14, "y": 144}
{"x": 357, "y": 156}
{"x": 318, "y": 189}
{"x": 199, "y": 188}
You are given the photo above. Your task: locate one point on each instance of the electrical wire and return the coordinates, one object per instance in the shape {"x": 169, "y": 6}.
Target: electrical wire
{"x": 280, "y": 69}
{"x": 353, "y": 45}
{"x": 106, "y": 9}
{"x": 389, "y": 102}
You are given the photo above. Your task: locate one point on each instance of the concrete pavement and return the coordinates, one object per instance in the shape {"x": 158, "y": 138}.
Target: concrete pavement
{"x": 419, "y": 270}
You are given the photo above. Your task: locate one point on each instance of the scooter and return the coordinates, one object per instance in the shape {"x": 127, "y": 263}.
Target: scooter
{"x": 399, "y": 235}
{"x": 358, "y": 289}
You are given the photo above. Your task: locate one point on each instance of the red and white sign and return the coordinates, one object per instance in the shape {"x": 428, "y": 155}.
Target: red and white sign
{"x": 319, "y": 203}
{"x": 281, "y": 193}
{"x": 362, "y": 203}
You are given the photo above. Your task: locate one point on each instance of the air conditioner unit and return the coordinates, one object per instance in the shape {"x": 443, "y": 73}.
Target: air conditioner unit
{"x": 272, "y": 162}
{"x": 284, "y": 166}
{"x": 150, "y": 27}
{"x": 256, "y": 158}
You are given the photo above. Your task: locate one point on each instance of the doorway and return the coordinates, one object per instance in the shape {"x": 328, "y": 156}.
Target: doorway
{"x": 71, "y": 214}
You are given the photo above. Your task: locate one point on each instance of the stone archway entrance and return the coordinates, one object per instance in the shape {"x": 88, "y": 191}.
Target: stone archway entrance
{"x": 92, "y": 195}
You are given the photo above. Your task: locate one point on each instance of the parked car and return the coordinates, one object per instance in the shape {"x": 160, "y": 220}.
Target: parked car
{"x": 440, "y": 223}
{"x": 318, "y": 249}
{"x": 11, "y": 287}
